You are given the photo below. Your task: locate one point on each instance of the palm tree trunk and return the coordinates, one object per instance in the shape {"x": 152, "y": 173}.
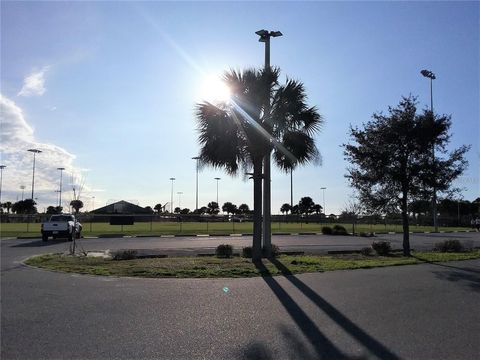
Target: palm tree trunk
{"x": 257, "y": 209}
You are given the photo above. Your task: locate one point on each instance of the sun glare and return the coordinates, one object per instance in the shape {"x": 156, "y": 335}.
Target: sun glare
{"x": 214, "y": 90}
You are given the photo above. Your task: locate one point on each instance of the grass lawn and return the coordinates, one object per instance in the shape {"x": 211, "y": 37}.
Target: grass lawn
{"x": 212, "y": 267}
{"x": 172, "y": 228}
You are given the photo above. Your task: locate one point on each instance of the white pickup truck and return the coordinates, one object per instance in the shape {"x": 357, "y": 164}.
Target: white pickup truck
{"x": 62, "y": 225}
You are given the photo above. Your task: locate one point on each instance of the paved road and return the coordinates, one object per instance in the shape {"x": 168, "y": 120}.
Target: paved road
{"x": 422, "y": 312}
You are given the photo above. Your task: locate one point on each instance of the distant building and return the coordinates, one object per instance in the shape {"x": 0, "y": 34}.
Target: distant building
{"x": 121, "y": 207}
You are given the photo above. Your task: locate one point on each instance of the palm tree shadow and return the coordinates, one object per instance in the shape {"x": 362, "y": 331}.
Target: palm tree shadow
{"x": 323, "y": 347}
{"x": 346, "y": 324}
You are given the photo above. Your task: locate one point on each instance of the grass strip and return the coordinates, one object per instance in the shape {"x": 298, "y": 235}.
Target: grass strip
{"x": 237, "y": 267}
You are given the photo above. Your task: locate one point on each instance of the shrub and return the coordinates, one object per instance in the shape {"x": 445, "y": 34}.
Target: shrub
{"x": 275, "y": 251}
{"x": 247, "y": 252}
{"x": 224, "y": 250}
{"x": 449, "y": 246}
{"x": 382, "y": 248}
{"x": 339, "y": 230}
{"x": 327, "y": 230}
{"x": 125, "y": 255}
{"x": 366, "y": 251}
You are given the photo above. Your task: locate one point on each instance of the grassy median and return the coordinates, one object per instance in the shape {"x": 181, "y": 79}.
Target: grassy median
{"x": 212, "y": 267}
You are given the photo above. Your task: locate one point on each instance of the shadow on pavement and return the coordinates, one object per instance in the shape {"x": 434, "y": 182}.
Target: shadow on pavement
{"x": 322, "y": 345}
{"x": 39, "y": 243}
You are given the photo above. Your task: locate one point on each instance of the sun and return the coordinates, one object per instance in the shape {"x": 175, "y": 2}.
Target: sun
{"x": 214, "y": 90}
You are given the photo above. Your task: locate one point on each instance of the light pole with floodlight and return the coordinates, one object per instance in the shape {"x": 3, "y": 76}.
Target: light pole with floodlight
{"x": 324, "y": 212}
{"x": 197, "y": 158}
{"x": 60, "y": 191}
{"x": 265, "y": 36}
{"x": 172, "y": 179}
{"x": 217, "y": 178}
{"x": 1, "y": 181}
{"x": 22, "y": 187}
{"x": 179, "y": 197}
{"x": 430, "y": 75}
{"x": 35, "y": 152}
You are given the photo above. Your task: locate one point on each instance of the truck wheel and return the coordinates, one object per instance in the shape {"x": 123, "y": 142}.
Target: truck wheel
{"x": 44, "y": 237}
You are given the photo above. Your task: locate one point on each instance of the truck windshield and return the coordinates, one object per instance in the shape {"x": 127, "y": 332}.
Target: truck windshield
{"x": 61, "y": 218}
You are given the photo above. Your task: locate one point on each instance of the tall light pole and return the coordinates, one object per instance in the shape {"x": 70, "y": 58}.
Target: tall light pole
{"x": 265, "y": 36}
{"x": 35, "y": 152}
{"x": 324, "y": 212}
{"x": 217, "y": 178}
{"x": 430, "y": 75}
{"x": 179, "y": 197}
{"x": 1, "y": 181}
{"x": 60, "y": 191}
{"x": 172, "y": 179}
{"x": 93, "y": 203}
{"x": 23, "y": 190}
{"x": 196, "y": 158}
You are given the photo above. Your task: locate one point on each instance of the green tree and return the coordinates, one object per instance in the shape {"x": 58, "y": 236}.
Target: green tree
{"x": 239, "y": 134}
{"x": 76, "y": 205}
{"x": 177, "y": 210}
{"x": 7, "y": 205}
{"x": 392, "y": 163}
{"x": 244, "y": 209}
{"x": 305, "y": 205}
{"x": 229, "y": 208}
{"x": 26, "y": 206}
{"x": 285, "y": 208}
{"x": 52, "y": 210}
{"x": 213, "y": 208}
{"x": 158, "y": 208}
{"x": 185, "y": 211}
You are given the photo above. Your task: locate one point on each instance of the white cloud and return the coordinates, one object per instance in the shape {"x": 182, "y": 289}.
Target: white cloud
{"x": 16, "y": 137}
{"x": 34, "y": 84}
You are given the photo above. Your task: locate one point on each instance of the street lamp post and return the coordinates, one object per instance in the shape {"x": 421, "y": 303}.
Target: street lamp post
{"x": 35, "y": 152}
{"x": 172, "y": 179}
{"x": 197, "y": 158}
{"x": 1, "y": 181}
{"x": 179, "y": 197}
{"x": 291, "y": 189}
{"x": 60, "y": 191}
{"x": 324, "y": 211}
{"x": 430, "y": 75}
{"x": 217, "y": 178}
{"x": 265, "y": 36}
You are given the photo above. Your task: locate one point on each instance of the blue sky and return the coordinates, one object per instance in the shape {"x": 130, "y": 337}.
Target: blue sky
{"x": 108, "y": 89}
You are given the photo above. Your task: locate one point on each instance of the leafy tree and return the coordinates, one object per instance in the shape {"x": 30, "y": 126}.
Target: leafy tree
{"x": 239, "y": 134}
{"x": 158, "y": 208}
{"x": 177, "y": 210}
{"x": 243, "y": 209}
{"x": 7, "y": 205}
{"x": 185, "y": 211}
{"x": 52, "y": 210}
{"x": 213, "y": 208}
{"x": 317, "y": 209}
{"x": 392, "y": 163}
{"x": 26, "y": 206}
{"x": 420, "y": 207}
{"x": 76, "y": 205}
{"x": 229, "y": 208}
{"x": 305, "y": 205}
{"x": 295, "y": 210}
{"x": 149, "y": 209}
{"x": 285, "y": 208}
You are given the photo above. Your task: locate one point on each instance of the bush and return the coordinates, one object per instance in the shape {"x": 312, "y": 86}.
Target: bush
{"x": 366, "y": 251}
{"x": 224, "y": 250}
{"x": 275, "y": 251}
{"x": 449, "y": 246}
{"x": 382, "y": 248}
{"x": 125, "y": 255}
{"x": 339, "y": 230}
{"x": 327, "y": 230}
{"x": 247, "y": 252}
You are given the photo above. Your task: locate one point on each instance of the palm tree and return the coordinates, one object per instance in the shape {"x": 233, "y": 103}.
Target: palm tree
{"x": 285, "y": 208}
{"x": 76, "y": 205}
{"x": 240, "y": 133}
